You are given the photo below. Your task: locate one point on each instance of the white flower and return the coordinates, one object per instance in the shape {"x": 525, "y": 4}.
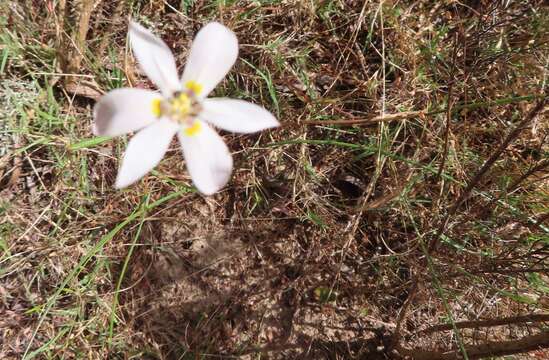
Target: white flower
{"x": 180, "y": 108}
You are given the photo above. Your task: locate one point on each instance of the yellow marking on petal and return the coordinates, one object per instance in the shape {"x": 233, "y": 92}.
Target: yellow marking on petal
{"x": 194, "y": 129}
{"x": 193, "y": 86}
{"x": 156, "y": 107}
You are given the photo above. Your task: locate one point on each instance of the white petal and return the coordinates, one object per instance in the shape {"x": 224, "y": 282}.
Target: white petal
{"x": 123, "y": 110}
{"x": 155, "y": 58}
{"x": 207, "y": 158}
{"x": 145, "y": 150}
{"x": 237, "y": 115}
{"x": 213, "y": 53}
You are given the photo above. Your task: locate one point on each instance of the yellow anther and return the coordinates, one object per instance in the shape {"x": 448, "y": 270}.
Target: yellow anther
{"x": 156, "y": 107}
{"x": 181, "y": 105}
{"x": 193, "y": 86}
{"x": 194, "y": 129}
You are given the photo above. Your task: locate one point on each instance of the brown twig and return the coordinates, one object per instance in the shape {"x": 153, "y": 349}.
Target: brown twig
{"x": 448, "y": 111}
{"x": 395, "y": 338}
{"x": 497, "y": 271}
{"x": 422, "y": 113}
{"x": 487, "y": 323}
{"x": 369, "y": 121}
{"x": 525, "y": 344}
{"x": 540, "y": 166}
{"x": 484, "y": 169}
{"x": 495, "y": 155}
{"x": 71, "y": 43}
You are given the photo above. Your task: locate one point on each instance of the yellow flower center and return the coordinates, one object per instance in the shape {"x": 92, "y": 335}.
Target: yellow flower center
{"x": 183, "y": 108}
{"x": 180, "y": 105}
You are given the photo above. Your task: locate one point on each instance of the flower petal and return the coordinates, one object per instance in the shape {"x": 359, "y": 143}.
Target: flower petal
{"x": 123, "y": 110}
{"x": 155, "y": 59}
{"x": 237, "y": 115}
{"x": 207, "y": 157}
{"x": 213, "y": 53}
{"x": 144, "y": 151}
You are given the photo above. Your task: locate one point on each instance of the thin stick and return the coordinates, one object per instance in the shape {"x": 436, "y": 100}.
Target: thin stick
{"x": 484, "y": 169}
{"x": 488, "y": 349}
{"x": 395, "y": 338}
{"x": 540, "y": 166}
{"x": 450, "y": 103}
{"x": 487, "y": 323}
{"x": 421, "y": 113}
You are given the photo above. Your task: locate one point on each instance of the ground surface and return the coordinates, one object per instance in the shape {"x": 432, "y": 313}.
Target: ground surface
{"x": 330, "y": 238}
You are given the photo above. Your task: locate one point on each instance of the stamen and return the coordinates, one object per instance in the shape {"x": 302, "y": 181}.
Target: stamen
{"x": 194, "y": 129}
{"x": 181, "y": 105}
{"x": 182, "y": 108}
{"x": 156, "y": 107}
{"x": 193, "y": 86}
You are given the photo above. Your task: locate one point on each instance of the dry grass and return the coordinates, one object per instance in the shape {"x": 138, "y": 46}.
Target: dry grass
{"x": 322, "y": 245}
